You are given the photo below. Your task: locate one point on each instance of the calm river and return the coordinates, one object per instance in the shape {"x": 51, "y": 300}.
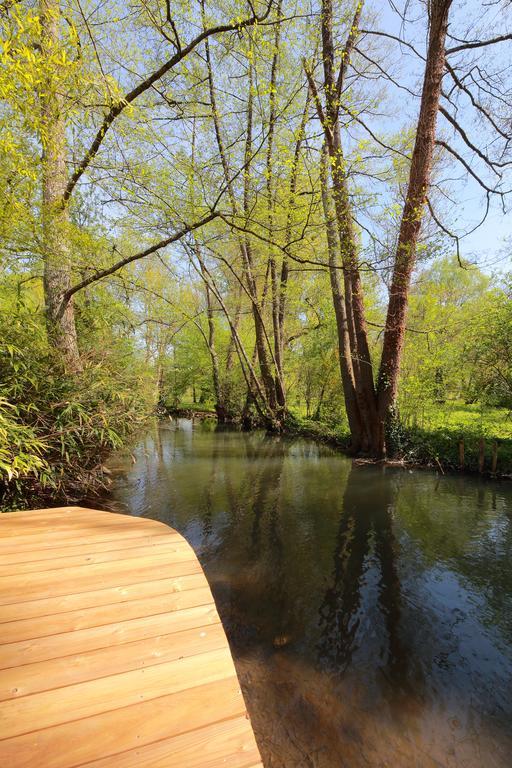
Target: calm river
{"x": 369, "y": 610}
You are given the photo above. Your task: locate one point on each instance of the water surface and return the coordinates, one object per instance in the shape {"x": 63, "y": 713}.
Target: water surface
{"x": 369, "y": 609}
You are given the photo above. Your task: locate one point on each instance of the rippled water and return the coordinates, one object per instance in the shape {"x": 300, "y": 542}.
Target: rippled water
{"x": 369, "y": 609}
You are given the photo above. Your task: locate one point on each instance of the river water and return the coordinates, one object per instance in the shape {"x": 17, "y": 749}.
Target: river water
{"x": 369, "y": 609}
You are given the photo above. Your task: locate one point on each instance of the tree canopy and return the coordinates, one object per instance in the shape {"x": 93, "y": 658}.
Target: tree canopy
{"x": 276, "y": 209}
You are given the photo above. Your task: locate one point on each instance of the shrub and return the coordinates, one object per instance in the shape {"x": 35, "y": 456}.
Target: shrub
{"x": 56, "y": 429}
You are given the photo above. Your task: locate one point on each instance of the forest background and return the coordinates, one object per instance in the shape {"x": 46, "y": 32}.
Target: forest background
{"x": 292, "y": 214}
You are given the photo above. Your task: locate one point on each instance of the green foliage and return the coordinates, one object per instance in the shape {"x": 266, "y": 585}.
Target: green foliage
{"x": 326, "y": 433}
{"x": 458, "y": 347}
{"x": 440, "y": 447}
{"x": 489, "y": 348}
{"x": 56, "y": 429}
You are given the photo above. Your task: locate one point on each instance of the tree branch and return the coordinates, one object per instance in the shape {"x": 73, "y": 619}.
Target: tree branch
{"x": 117, "y": 108}
{"x": 493, "y": 164}
{"x": 468, "y": 168}
{"x": 100, "y": 274}
{"x": 478, "y": 44}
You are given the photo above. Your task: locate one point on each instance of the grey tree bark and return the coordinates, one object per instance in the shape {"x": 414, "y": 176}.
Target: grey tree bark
{"x": 60, "y": 315}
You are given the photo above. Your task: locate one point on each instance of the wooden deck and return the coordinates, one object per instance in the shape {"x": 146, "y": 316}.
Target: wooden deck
{"x": 112, "y": 653}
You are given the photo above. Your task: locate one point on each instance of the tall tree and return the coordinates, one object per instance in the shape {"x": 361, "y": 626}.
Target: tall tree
{"x": 56, "y": 245}
{"x": 58, "y": 186}
{"x": 417, "y": 190}
{"x": 370, "y": 407}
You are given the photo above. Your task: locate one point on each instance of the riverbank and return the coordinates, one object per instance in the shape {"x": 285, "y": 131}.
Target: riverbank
{"x": 191, "y": 412}
{"x": 451, "y": 449}
{"x": 447, "y": 449}
{"x": 461, "y": 445}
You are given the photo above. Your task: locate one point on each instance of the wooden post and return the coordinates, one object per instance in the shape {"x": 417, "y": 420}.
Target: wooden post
{"x": 481, "y": 455}
{"x": 382, "y": 439}
{"x": 461, "y": 453}
{"x": 494, "y": 461}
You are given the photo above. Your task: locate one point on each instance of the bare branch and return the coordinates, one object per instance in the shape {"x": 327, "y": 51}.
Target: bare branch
{"x": 458, "y": 82}
{"x": 445, "y": 230}
{"x": 478, "y": 44}
{"x": 493, "y": 164}
{"x": 468, "y": 168}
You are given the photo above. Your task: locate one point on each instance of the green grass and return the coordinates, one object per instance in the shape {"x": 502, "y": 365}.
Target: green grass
{"x": 492, "y": 423}
{"x": 433, "y": 435}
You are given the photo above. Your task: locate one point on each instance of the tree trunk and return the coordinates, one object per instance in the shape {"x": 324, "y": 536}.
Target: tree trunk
{"x": 259, "y": 325}
{"x": 60, "y": 317}
{"x": 280, "y": 393}
{"x": 354, "y": 316}
{"x": 244, "y": 243}
{"x": 419, "y": 178}
{"x": 340, "y": 311}
{"x": 283, "y": 280}
{"x": 210, "y": 341}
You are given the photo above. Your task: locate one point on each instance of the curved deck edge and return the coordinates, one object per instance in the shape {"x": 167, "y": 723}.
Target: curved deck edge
{"x": 112, "y": 652}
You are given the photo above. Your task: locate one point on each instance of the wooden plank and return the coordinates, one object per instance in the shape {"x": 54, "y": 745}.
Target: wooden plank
{"x": 58, "y": 539}
{"x": 112, "y": 545}
{"x": 70, "y": 643}
{"x": 226, "y": 744}
{"x": 73, "y": 580}
{"x": 28, "y": 629}
{"x": 98, "y": 597}
{"x": 53, "y": 511}
{"x": 33, "y": 523}
{"x": 30, "y": 519}
{"x": 71, "y": 744}
{"x": 57, "y": 673}
{"x": 22, "y": 531}
{"x": 112, "y": 692}
{"x": 158, "y": 547}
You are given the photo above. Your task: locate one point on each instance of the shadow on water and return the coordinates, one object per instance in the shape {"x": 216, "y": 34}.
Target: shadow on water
{"x": 369, "y": 610}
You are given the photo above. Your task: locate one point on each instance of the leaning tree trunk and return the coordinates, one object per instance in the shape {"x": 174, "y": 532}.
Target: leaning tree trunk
{"x": 419, "y": 177}
{"x": 280, "y": 393}
{"x": 262, "y": 344}
{"x": 60, "y": 317}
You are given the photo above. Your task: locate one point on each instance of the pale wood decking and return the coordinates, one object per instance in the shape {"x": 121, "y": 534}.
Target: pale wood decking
{"x": 112, "y": 653}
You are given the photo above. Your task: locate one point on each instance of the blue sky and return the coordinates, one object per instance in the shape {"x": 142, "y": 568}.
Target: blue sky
{"x": 470, "y": 19}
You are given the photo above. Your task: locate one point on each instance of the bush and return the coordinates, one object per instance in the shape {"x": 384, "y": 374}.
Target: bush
{"x": 56, "y": 429}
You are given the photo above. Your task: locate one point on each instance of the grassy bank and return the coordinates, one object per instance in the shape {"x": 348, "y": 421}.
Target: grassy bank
{"x": 435, "y": 441}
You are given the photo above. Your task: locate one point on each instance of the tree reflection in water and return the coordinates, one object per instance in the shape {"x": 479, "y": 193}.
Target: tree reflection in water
{"x": 368, "y": 610}
{"x": 365, "y": 529}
